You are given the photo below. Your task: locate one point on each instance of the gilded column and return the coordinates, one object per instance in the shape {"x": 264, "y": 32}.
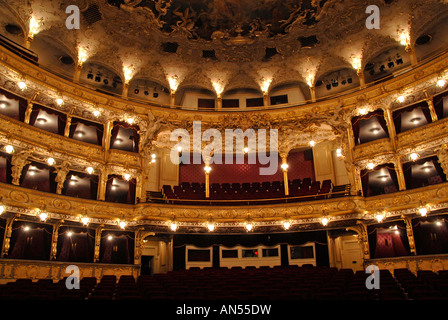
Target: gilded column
{"x": 29, "y": 109}
{"x": 410, "y": 234}
{"x": 54, "y": 241}
{"x": 391, "y": 127}
{"x": 266, "y": 99}
{"x": 77, "y": 73}
{"x": 400, "y": 174}
{"x": 413, "y": 57}
{"x": 102, "y": 183}
{"x": 7, "y": 236}
{"x": 362, "y": 81}
{"x": 352, "y": 171}
{"x": 138, "y": 245}
{"x": 67, "y": 126}
{"x": 219, "y": 103}
{"x": 285, "y": 173}
{"x": 172, "y": 98}
{"x": 107, "y": 135}
{"x": 98, "y": 232}
{"x": 432, "y": 109}
{"x": 124, "y": 93}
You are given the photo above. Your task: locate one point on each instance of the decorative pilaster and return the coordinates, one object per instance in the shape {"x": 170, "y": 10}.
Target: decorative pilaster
{"x": 107, "y": 135}
{"x": 7, "y": 236}
{"x": 413, "y": 57}
{"x": 172, "y": 98}
{"x": 363, "y": 238}
{"x": 77, "y": 73}
{"x": 353, "y": 172}
{"x": 124, "y": 93}
{"x": 19, "y": 161}
{"x": 400, "y": 174}
{"x": 54, "y": 241}
{"x": 96, "y": 255}
{"x": 284, "y": 166}
{"x": 102, "y": 183}
{"x": 29, "y": 109}
{"x": 68, "y": 124}
{"x": 391, "y": 127}
{"x": 430, "y": 103}
{"x": 219, "y": 103}
{"x": 266, "y": 99}
{"x": 410, "y": 234}
{"x": 442, "y": 155}
{"x": 362, "y": 81}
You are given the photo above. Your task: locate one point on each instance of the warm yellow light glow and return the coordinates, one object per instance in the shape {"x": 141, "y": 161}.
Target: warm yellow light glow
{"x": 82, "y": 56}
{"x": 130, "y": 120}
{"x": 423, "y": 211}
{"x": 26, "y": 228}
{"x": 109, "y": 238}
{"x": 96, "y": 113}
{"x": 441, "y": 83}
{"x": 310, "y": 80}
{"x": 404, "y": 38}
{"x": 9, "y": 149}
{"x": 286, "y": 225}
{"x": 128, "y": 73}
{"x": 264, "y": 86}
{"x": 85, "y": 221}
{"x": 207, "y": 169}
{"x": 379, "y": 217}
{"x": 356, "y": 63}
{"x": 219, "y": 88}
{"x": 59, "y": 101}
{"x": 438, "y": 223}
{"x": 210, "y": 227}
{"x": 249, "y": 226}
{"x": 21, "y": 84}
{"x": 43, "y": 216}
{"x": 50, "y": 161}
{"x": 338, "y": 152}
{"x": 400, "y": 99}
{"x": 34, "y": 27}
{"x": 2, "y": 209}
{"x": 324, "y": 221}
{"x": 127, "y": 177}
{"x": 173, "y": 82}
{"x": 90, "y": 170}
{"x": 413, "y": 156}
{"x": 284, "y": 166}
{"x": 122, "y": 224}
{"x": 173, "y": 226}
{"x": 370, "y": 166}
{"x": 362, "y": 111}
{"x": 69, "y": 233}
{"x": 179, "y": 149}
{"x": 246, "y": 150}
{"x": 312, "y": 143}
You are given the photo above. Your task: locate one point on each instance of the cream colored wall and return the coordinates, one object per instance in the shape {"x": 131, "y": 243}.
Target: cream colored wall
{"x": 164, "y": 172}
{"x": 327, "y": 165}
{"x": 161, "y": 251}
{"x": 345, "y": 252}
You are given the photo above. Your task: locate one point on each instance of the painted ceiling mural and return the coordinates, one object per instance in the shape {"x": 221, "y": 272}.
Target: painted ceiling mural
{"x": 210, "y": 19}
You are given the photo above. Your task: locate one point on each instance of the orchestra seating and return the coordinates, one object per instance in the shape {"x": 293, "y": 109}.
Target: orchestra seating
{"x": 250, "y": 193}
{"x": 278, "y": 283}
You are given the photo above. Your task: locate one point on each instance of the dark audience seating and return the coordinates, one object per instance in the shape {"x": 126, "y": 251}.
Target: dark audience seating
{"x": 250, "y": 193}
{"x": 264, "y": 283}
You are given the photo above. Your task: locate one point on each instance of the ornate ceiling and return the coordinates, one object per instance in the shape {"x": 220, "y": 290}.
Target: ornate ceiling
{"x": 225, "y": 44}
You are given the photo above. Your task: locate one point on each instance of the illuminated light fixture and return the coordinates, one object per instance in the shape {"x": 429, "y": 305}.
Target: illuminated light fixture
{"x": 370, "y": 166}
{"x": 85, "y": 221}
{"x": 207, "y": 169}
{"x": 379, "y": 217}
{"x": 286, "y": 225}
{"x": 249, "y": 226}
{"x": 356, "y": 63}
{"x": 9, "y": 149}
{"x": 426, "y": 168}
{"x": 2, "y": 209}
{"x": 114, "y": 187}
{"x": 130, "y": 120}
{"x": 153, "y": 158}
{"x": 210, "y": 226}
{"x": 3, "y": 105}
{"x": 375, "y": 130}
{"x": 404, "y": 38}
{"x": 383, "y": 178}
{"x": 312, "y": 143}
{"x": 109, "y": 237}
{"x": 127, "y": 72}
{"x": 50, "y": 161}
{"x": 413, "y": 156}
{"x": 96, "y": 113}
{"x": 423, "y": 211}
{"x": 127, "y": 177}
{"x": 324, "y": 221}
{"x": 34, "y": 27}
{"x": 26, "y": 228}
{"x": 59, "y": 101}
{"x": 400, "y": 99}
{"x": 246, "y": 150}
{"x": 438, "y": 223}
{"x": 69, "y": 234}
{"x": 22, "y": 85}
{"x": 122, "y": 224}
{"x": 338, "y": 153}
{"x": 43, "y": 216}
{"x": 90, "y": 170}
{"x": 284, "y": 166}
{"x": 441, "y": 83}
{"x": 415, "y": 120}
{"x": 179, "y": 149}
{"x": 41, "y": 120}
{"x": 362, "y": 111}
{"x": 173, "y": 226}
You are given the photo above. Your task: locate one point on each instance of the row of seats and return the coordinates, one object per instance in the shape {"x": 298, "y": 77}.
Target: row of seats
{"x": 264, "y": 192}
{"x": 264, "y": 283}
